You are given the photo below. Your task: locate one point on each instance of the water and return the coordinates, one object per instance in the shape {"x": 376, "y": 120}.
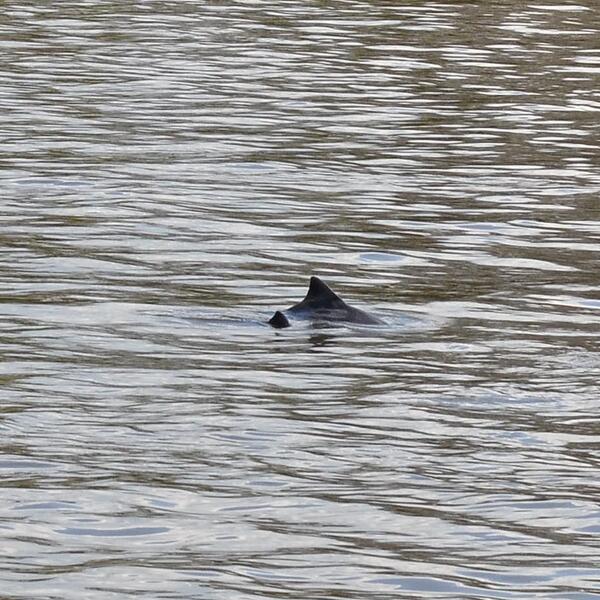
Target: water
{"x": 172, "y": 173}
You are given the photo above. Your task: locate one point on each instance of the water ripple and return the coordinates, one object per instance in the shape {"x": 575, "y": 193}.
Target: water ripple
{"x": 173, "y": 173}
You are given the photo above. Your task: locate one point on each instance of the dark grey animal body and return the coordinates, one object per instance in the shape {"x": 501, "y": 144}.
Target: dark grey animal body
{"x": 323, "y": 304}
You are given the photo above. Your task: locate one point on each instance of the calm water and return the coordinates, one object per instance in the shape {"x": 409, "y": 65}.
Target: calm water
{"x": 172, "y": 173}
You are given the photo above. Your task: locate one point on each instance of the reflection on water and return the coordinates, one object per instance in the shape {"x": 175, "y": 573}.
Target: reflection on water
{"x": 173, "y": 173}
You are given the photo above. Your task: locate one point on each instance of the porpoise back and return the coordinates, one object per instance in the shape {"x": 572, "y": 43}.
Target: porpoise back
{"x": 321, "y": 303}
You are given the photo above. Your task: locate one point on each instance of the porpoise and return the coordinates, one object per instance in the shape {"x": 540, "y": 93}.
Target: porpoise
{"x": 322, "y": 304}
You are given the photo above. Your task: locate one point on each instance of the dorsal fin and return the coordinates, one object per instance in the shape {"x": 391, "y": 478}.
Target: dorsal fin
{"x": 321, "y": 295}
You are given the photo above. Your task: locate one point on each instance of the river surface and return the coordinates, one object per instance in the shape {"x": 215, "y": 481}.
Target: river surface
{"x": 172, "y": 173}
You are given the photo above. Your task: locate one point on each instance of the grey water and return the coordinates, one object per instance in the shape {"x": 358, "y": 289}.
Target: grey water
{"x": 172, "y": 173}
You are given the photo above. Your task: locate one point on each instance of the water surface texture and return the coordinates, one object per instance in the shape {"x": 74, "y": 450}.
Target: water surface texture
{"x": 172, "y": 173}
